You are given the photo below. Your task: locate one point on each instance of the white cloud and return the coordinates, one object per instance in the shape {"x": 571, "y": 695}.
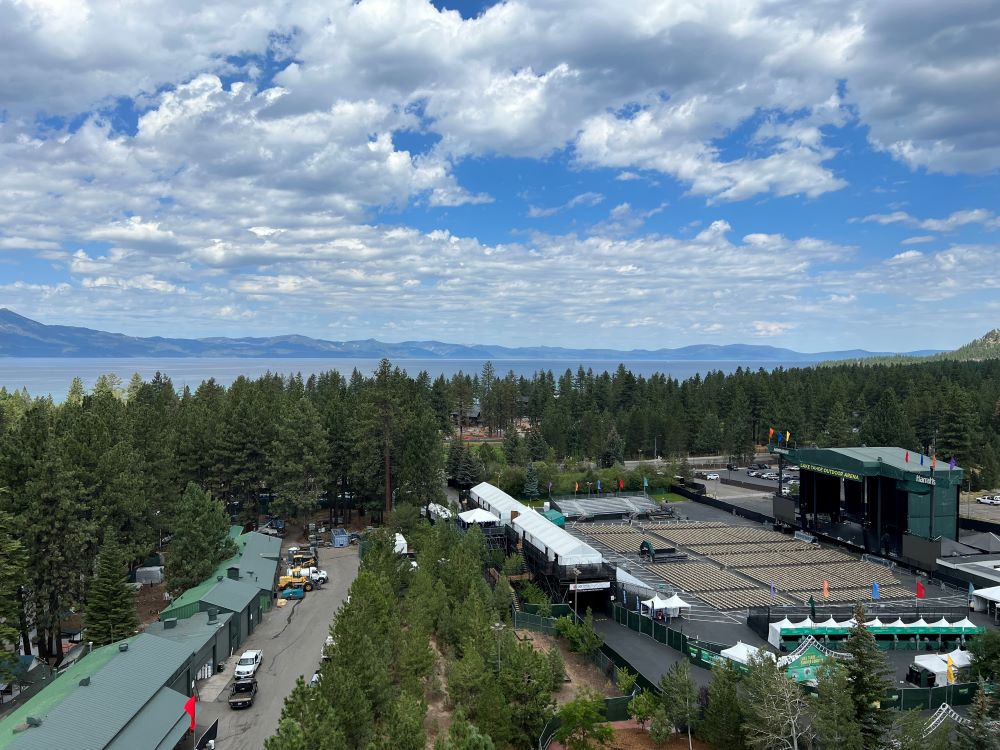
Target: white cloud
{"x": 770, "y": 328}
{"x": 918, "y": 240}
{"x": 950, "y": 223}
{"x": 583, "y": 199}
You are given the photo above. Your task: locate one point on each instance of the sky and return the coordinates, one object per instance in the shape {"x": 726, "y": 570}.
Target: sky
{"x": 817, "y": 175}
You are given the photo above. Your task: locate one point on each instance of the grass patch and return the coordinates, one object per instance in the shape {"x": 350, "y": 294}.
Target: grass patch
{"x": 667, "y": 497}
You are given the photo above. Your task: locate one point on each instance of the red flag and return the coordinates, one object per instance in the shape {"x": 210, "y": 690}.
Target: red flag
{"x": 189, "y": 709}
{"x": 826, "y": 589}
{"x": 621, "y": 484}
{"x": 576, "y": 487}
{"x": 933, "y": 462}
{"x": 770, "y": 433}
{"x": 907, "y": 457}
{"x": 920, "y": 590}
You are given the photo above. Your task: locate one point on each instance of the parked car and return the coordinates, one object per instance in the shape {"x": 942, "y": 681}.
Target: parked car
{"x": 315, "y": 680}
{"x": 732, "y": 467}
{"x": 753, "y": 473}
{"x": 763, "y": 466}
{"x": 243, "y": 693}
{"x": 792, "y": 468}
{"x": 769, "y": 475}
{"x": 711, "y": 476}
{"x": 989, "y": 500}
{"x": 248, "y": 663}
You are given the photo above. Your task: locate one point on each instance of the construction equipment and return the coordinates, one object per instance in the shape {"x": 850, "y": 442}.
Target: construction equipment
{"x": 286, "y": 582}
{"x": 301, "y": 558}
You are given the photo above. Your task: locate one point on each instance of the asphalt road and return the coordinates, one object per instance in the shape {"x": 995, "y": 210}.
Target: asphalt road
{"x": 292, "y": 639}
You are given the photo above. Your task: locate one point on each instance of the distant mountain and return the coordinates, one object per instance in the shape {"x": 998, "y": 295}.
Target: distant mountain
{"x": 23, "y": 337}
{"x": 985, "y": 347}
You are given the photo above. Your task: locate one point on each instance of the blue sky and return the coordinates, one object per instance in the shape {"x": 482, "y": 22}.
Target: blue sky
{"x": 634, "y": 176}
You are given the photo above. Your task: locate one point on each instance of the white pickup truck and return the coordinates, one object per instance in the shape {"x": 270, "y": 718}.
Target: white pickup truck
{"x": 316, "y": 575}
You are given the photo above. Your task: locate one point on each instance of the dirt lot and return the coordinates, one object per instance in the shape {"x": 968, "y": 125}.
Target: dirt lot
{"x": 629, "y": 736}
{"x": 149, "y": 602}
{"x": 579, "y": 669}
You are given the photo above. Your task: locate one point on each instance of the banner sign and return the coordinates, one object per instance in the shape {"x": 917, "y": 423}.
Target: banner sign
{"x": 840, "y": 473}
{"x": 593, "y": 586}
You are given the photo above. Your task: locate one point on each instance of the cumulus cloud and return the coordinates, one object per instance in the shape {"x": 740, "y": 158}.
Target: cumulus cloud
{"x": 950, "y": 223}
{"x": 770, "y": 328}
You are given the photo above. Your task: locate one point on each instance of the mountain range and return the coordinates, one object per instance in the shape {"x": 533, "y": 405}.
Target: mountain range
{"x": 23, "y": 337}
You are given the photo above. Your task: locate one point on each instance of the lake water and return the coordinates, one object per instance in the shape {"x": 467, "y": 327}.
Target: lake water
{"x": 52, "y": 376}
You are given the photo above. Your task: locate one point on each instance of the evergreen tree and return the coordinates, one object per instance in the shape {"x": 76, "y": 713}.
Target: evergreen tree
{"x": 538, "y": 449}
{"x": 723, "y": 723}
{"x": 111, "y": 613}
{"x": 908, "y": 730}
{"x": 959, "y": 426}
{"x": 12, "y": 575}
{"x": 421, "y": 462}
{"x": 299, "y": 461}
{"x": 463, "y": 735}
{"x": 868, "y": 675}
{"x": 513, "y": 448}
{"x": 405, "y": 725}
{"x": 614, "y": 450}
{"x": 835, "y": 724}
{"x": 886, "y": 424}
{"x": 837, "y": 432}
{"x": 200, "y": 539}
{"x": 980, "y": 730}
{"x": 531, "y": 483}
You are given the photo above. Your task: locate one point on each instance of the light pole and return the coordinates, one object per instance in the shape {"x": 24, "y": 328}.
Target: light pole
{"x": 576, "y": 591}
{"x": 497, "y": 629}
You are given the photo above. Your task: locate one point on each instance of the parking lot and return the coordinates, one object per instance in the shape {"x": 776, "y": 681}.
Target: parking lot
{"x": 292, "y": 639}
{"x": 969, "y": 508}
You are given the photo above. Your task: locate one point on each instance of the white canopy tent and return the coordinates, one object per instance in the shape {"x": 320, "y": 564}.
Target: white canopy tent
{"x": 478, "y": 515}
{"x": 675, "y": 604}
{"x": 654, "y": 604}
{"x": 774, "y": 631}
{"x": 981, "y": 598}
{"x": 558, "y": 545}
{"x": 938, "y": 664}
{"x": 741, "y": 653}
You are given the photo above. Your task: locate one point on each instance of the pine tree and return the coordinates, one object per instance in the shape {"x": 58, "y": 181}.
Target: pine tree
{"x": 200, "y": 539}
{"x": 299, "y": 461}
{"x": 868, "y": 675}
{"x": 111, "y": 613}
{"x": 835, "y": 724}
{"x": 463, "y": 735}
{"x": 979, "y": 731}
{"x": 723, "y": 723}
{"x": 886, "y": 424}
{"x": 513, "y": 449}
{"x": 614, "y": 449}
{"x": 538, "y": 449}
{"x": 531, "y": 482}
{"x": 12, "y": 561}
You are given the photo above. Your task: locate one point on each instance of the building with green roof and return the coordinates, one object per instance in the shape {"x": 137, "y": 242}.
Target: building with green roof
{"x": 885, "y": 500}
{"x": 120, "y": 697}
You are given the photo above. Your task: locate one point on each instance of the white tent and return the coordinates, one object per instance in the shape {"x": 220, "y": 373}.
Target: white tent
{"x": 655, "y": 603}
{"x": 774, "y": 631}
{"x": 960, "y": 658}
{"x": 478, "y": 515}
{"x": 981, "y": 598}
{"x": 921, "y": 623}
{"x": 400, "y": 545}
{"x": 741, "y": 653}
{"x": 934, "y": 663}
{"x": 942, "y": 623}
{"x": 965, "y": 623}
{"x": 806, "y": 623}
{"x": 438, "y": 511}
{"x": 876, "y": 623}
{"x": 829, "y": 623}
{"x": 898, "y": 623}
{"x": 674, "y": 605}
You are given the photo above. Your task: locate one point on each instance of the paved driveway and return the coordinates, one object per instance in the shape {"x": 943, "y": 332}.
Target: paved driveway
{"x": 292, "y": 640}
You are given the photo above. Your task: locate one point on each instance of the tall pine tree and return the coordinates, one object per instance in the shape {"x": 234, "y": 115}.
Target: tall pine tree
{"x": 110, "y": 614}
{"x": 868, "y": 677}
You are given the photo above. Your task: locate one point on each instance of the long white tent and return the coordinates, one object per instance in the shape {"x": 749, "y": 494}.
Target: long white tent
{"x": 785, "y": 628}
{"x": 497, "y": 502}
{"x": 559, "y": 546}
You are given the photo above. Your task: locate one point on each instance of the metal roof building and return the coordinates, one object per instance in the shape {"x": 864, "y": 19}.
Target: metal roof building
{"x": 111, "y": 700}
{"x": 886, "y": 500}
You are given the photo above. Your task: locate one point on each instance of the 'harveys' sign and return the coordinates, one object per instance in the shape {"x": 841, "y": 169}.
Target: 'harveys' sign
{"x": 831, "y": 472}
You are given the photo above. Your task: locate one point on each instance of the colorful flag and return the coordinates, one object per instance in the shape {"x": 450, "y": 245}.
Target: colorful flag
{"x": 952, "y": 464}
{"x": 621, "y": 484}
{"x": 189, "y": 710}
{"x": 779, "y": 438}
{"x": 933, "y": 462}
{"x": 971, "y": 589}
{"x": 645, "y": 482}
{"x": 774, "y": 591}
{"x": 788, "y": 437}
{"x": 907, "y": 457}
{"x": 920, "y": 590}
{"x": 770, "y": 433}
{"x": 576, "y": 487}
{"x": 875, "y": 590}
{"x": 951, "y": 670}
{"x": 826, "y": 589}
{"x": 921, "y": 459}
{"x": 598, "y": 485}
